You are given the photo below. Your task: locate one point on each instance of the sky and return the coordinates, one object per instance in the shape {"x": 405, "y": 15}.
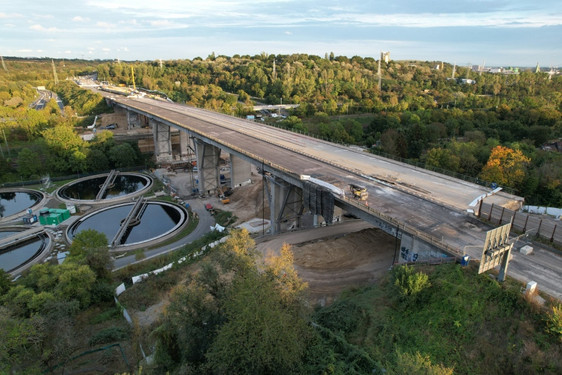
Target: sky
{"x": 477, "y": 32}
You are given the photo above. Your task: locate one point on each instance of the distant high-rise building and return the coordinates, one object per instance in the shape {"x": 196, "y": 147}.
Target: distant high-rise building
{"x": 385, "y": 56}
{"x": 538, "y": 68}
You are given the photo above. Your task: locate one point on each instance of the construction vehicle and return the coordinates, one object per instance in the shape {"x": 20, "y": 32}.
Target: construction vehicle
{"x": 359, "y": 192}
{"x": 222, "y": 197}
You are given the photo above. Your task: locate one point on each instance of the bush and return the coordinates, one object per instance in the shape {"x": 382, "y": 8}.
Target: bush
{"x": 109, "y": 335}
{"x": 408, "y": 282}
{"x": 101, "y": 292}
{"x": 112, "y": 313}
{"x": 554, "y": 322}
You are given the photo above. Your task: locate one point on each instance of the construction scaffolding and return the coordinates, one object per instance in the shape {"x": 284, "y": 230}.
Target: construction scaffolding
{"x": 319, "y": 201}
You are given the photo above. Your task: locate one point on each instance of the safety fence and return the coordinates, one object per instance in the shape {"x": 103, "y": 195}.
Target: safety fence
{"x": 137, "y": 279}
{"x": 549, "y": 229}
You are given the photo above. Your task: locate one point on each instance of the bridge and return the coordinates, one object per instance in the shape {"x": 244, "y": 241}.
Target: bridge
{"x": 108, "y": 183}
{"x": 429, "y": 214}
{"x": 132, "y": 219}
{"x": 19, "y": 237}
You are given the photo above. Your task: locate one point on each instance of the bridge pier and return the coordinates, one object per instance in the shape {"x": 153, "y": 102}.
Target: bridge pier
{"x": 208, "y": 157}
{"x": 285, "y": 204}
{"x": 133, "y": 120}
{"x": 413, "y": 249}
{"x": 184, "y": 145}
{"x": 240, "y": 171}
{"x": 162, "y": 141}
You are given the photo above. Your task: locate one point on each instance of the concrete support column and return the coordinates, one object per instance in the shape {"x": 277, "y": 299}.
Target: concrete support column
{"x": 208, "y": 157}
{"x": 184, "y": 145}
{"x": 240, "y": 171}
{"x": 133, "y": 120}
{"x": 162, "y": 141}
{"x": 285, "y": 204}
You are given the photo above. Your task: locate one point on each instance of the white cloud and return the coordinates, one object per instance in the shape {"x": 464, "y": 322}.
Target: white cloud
{"x": 106, "y": 25}
{"x": 503, "y": 19}
{"x": 160, "y": 23}
{"x": 25, "y": 50}
{"x": 68, "y": 52}
{"x": 80, "y": 19}
{"x": 106, "y": 49}
{"x": 288, "y": 33}
{"x": 38, "y": 27}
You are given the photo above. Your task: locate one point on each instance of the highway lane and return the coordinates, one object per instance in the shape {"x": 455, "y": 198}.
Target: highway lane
{"x": 440, "y": 188}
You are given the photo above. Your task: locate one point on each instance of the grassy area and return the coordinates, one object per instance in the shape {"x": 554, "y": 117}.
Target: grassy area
{"x": 142, "y": 295}
{"x": 224, "y": 218}
{"x": 464, "y": 321}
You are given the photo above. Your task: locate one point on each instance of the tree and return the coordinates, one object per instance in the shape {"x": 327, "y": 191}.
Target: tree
{"x": 75, "y": 282}
{"x": 506, "y": 167}
{"x": 269, "y": 338}
{"x": 29, "y": 163}
{"x": 17, "y": 340}
{"x": 281, "y": 270}
{"x": 97, "y": 161}
{"x": 442, "y": 158}
{"x": 90, "y": 248}
{"x": 123, "y": 155}
{"x": 231, "y": 301}
{"x": 5, "y": 283}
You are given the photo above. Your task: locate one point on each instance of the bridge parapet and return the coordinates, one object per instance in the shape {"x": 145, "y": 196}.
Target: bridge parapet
{"x": 401, "y": 227}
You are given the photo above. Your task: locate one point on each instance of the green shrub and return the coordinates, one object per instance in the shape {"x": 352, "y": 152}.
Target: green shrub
{"x": 408, "y": 282}
{"x": 112, "y": 313}
{"x": 407, "y": 364}
{"x": 554, "y": 321}
{"x": 109, "y": 335}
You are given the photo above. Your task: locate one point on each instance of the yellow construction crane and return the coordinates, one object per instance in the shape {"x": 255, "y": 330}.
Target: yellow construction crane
{"x": 133, "y": 75}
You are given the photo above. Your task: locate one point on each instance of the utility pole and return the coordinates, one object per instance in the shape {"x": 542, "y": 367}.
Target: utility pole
{"x": 6, "y": 140}
{"x": 454, "y": 69}
{"x": 55, "y": 71}
{"x": 379, "y": 73}
{"x": 133, "y": 76}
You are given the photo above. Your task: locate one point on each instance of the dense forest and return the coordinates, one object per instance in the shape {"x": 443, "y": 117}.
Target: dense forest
{"x": 490, "y": 129}
{"x": 40, "y": 142}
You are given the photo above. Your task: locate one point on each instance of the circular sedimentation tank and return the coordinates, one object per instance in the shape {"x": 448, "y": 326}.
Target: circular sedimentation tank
{"x": 158, "y": 220}
{"x": 87, "y": 189}
{"x": 21, "y": 253}
{"x": 16, "y": 201}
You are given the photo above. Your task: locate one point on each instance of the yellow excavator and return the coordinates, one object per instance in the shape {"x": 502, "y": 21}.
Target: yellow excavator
{"x": 359, "y": 192}
{"x": 223, "y": 198}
